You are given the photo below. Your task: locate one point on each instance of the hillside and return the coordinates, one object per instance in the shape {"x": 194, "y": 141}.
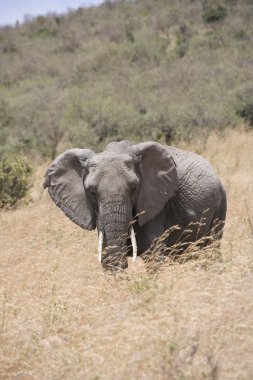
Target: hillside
{"x": 163, "y": 70}
{"x": 61, "y": 318}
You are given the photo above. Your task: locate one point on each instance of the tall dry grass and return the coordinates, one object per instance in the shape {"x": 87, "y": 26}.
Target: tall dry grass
{"x": 61, "y": 318}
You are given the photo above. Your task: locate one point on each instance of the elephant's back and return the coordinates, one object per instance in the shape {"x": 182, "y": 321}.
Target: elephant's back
{"x": 184, "y": 158}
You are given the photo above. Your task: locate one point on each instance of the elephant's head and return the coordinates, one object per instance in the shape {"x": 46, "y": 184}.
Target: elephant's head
{"x": 107, "y": 190}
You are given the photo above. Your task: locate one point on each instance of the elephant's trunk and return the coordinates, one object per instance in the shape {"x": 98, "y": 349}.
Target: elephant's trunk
{"x": 101, "y": 242}
{"x": 113, "y": 236}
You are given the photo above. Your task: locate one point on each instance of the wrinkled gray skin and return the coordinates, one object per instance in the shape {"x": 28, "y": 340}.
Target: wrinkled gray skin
{"x": 165, "y": 185}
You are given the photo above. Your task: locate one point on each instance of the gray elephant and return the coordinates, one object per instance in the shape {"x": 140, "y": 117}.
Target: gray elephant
{"x": 134, "y": 193}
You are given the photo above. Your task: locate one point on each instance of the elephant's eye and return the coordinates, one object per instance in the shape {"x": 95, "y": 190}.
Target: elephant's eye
{"x": 134, "y": 185}
{"x": 92, "y": 191}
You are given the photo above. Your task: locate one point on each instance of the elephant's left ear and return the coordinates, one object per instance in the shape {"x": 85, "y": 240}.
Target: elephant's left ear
{"x": 159, "y": 180}
{"x": 64, "y": 180}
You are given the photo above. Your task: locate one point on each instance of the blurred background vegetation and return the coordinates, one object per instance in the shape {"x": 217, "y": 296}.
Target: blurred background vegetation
{"x": 167, "y": 70}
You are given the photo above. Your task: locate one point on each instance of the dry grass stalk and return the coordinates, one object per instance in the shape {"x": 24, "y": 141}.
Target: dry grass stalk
{"x": 62, "y": 318}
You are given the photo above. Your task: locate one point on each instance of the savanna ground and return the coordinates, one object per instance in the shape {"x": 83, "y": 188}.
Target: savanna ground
{"x": 61, "y": 318}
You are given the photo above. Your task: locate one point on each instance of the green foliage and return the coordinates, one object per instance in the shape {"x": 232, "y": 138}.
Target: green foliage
{"x": 181, "y": 49}
{"x": 241, "y": 34}
{"x": 9, "y": 46}
{"x": 6, "y": 120}
{"x": 246, "y": 112}
{"x": 46, "y": 32}
{"x": 15, "y": 176}
{"x": 215, "y": 14}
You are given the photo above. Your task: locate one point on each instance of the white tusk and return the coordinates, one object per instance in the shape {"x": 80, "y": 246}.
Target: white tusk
{"x": 134, "y": 244}
{"x": 100, "y": 245}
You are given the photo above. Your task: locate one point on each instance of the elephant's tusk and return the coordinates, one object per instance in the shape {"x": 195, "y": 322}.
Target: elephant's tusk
{"x": 134, "y": 244}
{"x": 100, "y": 245}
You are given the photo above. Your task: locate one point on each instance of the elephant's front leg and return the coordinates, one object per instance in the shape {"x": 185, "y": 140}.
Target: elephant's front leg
{"x": 151, "y": 245}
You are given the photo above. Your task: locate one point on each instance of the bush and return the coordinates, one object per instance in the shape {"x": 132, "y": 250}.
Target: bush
{"x": 241, "y": 35}
{"x": 246, "y": 112}
{"x": 181, "y": 49}
{"x": 15, "y": 174}
{"x": 215, "y": 14}
{"x": 46, "y": 32}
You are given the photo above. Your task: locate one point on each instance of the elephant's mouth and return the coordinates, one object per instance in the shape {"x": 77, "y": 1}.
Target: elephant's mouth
{"x": 101, "y": 244}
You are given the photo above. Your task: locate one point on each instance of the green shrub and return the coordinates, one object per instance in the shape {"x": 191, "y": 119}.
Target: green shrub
{"x": 15, "y": 174}
{"x": 181, "y": 49}
{"x": 241, "y": 35}
{"x": 246, "y": 112}
{"x": 10, "y": 46}
{"x": 46, "y": 32}
{"x": 215, "y": 14}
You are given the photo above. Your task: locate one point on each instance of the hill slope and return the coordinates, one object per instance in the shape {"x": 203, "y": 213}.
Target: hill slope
{"x": 137, "y": 70}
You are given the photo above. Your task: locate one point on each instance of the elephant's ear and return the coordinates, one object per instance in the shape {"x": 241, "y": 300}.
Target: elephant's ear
{"x": 158, "y": 182}
{"x": 64, "y": 179}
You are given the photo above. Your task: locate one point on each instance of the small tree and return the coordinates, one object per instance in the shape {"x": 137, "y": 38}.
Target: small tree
{"x": 215, "y": 14}
{"x": 246, "y": 112}
{"x": 43, "y": 125}
{"x": 15, "y": 174}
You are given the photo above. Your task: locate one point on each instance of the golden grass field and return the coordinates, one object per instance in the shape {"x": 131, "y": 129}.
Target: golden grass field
{"x": 61, "y": 318}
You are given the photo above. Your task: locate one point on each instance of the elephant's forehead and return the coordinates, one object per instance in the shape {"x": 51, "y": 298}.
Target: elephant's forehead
{"x": 106, "y": 159}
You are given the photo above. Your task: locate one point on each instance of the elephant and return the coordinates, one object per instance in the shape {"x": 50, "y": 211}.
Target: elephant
{"x": 134, "y": 193}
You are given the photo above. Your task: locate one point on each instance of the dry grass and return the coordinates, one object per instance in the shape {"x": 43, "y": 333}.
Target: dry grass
{"x": 61, "y": 318}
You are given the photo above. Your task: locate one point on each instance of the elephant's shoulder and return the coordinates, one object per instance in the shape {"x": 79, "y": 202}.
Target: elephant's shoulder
{"x": 195, "y": 174}
{"x": 191, "y": 163}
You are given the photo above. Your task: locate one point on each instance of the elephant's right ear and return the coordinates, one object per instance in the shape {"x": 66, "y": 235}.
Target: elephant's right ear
{"x": 64, "y": 179}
